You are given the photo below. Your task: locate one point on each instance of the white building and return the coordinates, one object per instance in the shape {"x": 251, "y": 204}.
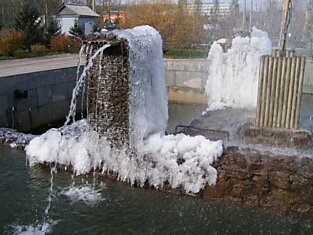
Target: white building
{"x": 208, "y": 9}
{"x": 85, "y": 17}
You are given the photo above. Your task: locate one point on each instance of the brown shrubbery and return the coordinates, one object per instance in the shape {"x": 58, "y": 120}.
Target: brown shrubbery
{"x": 67, "y": 44}
{"x": 38, "y": 48}
{"x": 10, "y": 42}
{"x": 178, "y": 27}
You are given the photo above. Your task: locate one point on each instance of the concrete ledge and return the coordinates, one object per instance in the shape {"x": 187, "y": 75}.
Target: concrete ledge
{"x": 277, "y": 138}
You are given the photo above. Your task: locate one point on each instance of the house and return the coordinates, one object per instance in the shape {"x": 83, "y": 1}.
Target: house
{"x": 208, "y": 9}
{"x": 85, "y": 17}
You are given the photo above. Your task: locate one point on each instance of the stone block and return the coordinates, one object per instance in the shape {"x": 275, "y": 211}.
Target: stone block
{"x": 170, "y": 78}
{"x": 23, "y": 120}
{"x": 4, "y": 105}
{"x": 60, "y": 92}
{"x": 183, "y": 79}
{"x": 277, "y": 137}
{"x": 4, "y": 121}
{"x": 44, "y": 95}
{"x": 30, "y": 102}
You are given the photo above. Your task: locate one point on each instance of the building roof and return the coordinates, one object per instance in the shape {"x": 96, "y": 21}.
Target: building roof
{"x": 78, "y": 10}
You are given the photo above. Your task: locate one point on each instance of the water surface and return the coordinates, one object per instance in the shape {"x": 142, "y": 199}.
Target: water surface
{"x": 123, "y": 209}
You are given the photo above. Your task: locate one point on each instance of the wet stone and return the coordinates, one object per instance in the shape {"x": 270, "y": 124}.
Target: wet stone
{"x": 107, "y": 96}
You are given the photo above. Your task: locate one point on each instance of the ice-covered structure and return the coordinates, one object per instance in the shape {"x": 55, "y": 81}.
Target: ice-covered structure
{"x": 233, "y": 75}
{"x": 127, "y": 116}
{"x": 125, "y": 86}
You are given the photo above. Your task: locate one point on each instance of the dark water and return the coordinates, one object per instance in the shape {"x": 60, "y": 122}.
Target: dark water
{"x": 124, "y": 209}
{"x": 182, "y": 114}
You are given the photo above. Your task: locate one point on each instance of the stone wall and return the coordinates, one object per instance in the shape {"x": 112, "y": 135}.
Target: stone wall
{"x": 107, "y": 91}
{"x": 186, "y": 80}
{"x": 276, "y": 183}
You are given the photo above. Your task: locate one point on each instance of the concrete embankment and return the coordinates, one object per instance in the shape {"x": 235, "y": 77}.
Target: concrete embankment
{"x": 36, "y": 92}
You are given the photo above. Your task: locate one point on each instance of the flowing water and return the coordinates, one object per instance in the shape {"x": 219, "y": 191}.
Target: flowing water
{"x": 118, "y": 208}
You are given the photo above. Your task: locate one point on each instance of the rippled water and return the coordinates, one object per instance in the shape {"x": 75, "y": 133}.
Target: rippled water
{"x": 122, "y": 209}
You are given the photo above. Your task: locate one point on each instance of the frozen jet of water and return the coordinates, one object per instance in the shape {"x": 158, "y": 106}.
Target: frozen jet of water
{"x": 233, "y": 75}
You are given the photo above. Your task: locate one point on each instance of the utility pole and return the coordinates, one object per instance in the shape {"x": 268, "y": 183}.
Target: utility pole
{"x": 244, "y": 15}
{"x": 2, "y": 14}
{"x": 46, "y": 13}
{"x": 251, "y": 9}
{"x": 285, "y": 24}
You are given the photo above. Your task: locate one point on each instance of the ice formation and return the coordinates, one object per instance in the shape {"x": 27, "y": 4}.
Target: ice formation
{"x": 233, "y": 76}
{"x": 14, "y": 138}
{"x": 148, "y": 112}
{"x": 38, "y": 229}
{"x": 181, "y": 161}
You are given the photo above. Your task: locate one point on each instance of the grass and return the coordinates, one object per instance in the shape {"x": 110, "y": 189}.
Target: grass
{"x": 175, "y": 53}
{"x": 26, "y": 54}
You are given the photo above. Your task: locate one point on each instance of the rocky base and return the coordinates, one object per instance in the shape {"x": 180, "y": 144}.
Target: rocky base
{"x": 275, "y": 183}
{"x": 14, "y": 139}
{"x": 277, "y": 137}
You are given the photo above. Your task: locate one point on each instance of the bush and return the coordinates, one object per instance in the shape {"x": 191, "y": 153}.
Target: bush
{"x": 186, "y": 53}
{"x": 67, "y": 44}
{"x": 10, "y": 42}
{"x": 39, "y": 49}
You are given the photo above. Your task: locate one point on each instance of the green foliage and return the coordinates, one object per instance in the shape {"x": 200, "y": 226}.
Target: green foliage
{"x": 29, "y": 22}
{"x": 53, "y": 28}
{"x": 186, "y": 53}
{"x": 76, "y": 30}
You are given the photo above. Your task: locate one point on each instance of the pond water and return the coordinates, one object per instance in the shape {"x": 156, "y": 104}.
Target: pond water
{"x": 100, "y": 206}
{"x": 121, "y": 209}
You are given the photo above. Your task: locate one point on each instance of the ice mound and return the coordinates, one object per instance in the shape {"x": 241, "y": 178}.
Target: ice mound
{"x": 181, "y": 161}
{"x": 233, "y": 75}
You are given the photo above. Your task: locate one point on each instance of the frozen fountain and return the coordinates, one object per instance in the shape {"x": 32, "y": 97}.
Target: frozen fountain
{"x": 123, "y": 135}
{"x": 124, "y": 132}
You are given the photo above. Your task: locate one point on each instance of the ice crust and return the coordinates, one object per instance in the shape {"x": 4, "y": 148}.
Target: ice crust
{"x": 233, "y": 75}
{"x": 153, "y": 159}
